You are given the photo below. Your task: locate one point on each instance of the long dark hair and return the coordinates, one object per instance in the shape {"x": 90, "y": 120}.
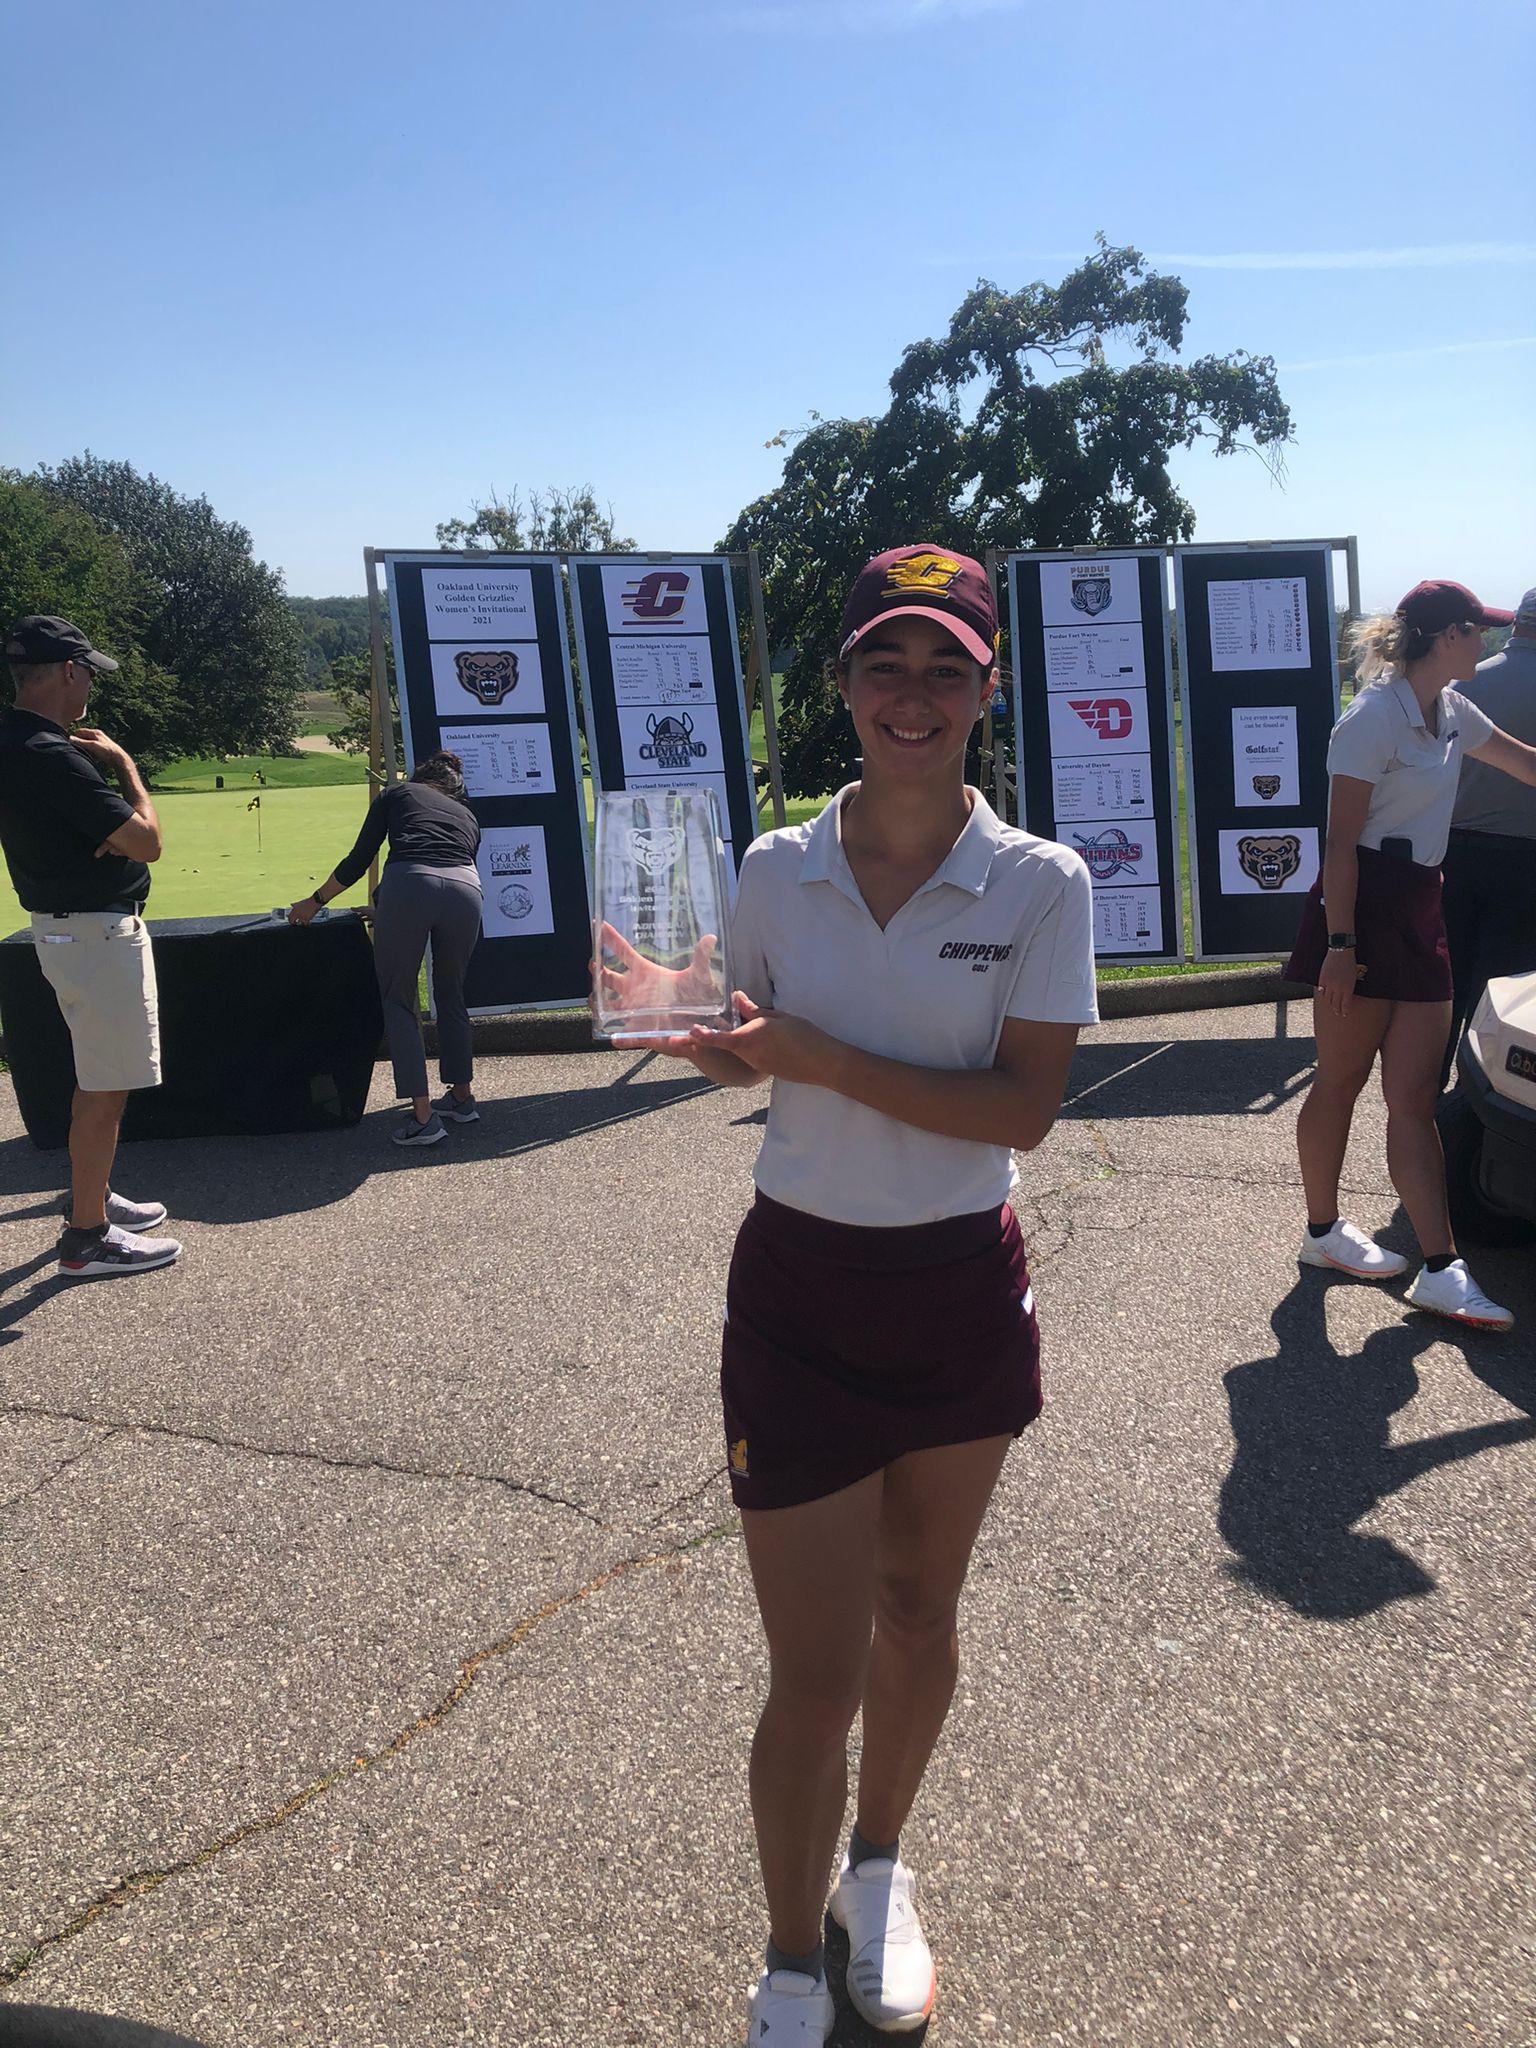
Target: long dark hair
{"x": 443, "y": 771}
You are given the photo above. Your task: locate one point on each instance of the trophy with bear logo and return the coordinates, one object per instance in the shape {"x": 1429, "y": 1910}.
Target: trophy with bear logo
{"x": 661, "y": 958}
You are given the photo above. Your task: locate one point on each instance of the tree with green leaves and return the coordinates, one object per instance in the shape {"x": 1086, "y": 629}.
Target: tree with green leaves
{"x": 212, "y": 615}
{"x": 554, "y": 522}
{"x": 56, "y": 561}
{"x": 1044, "y": 418}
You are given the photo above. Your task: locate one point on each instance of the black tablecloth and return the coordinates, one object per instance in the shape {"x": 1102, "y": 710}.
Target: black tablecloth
{"x": 263, "y": 1027}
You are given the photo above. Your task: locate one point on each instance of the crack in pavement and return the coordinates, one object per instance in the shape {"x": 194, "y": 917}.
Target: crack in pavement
{"x": 139, "y": 1884}
{"x": 693, "y": 1493}
{"x": 458, "y": 1474}
{"x": 105, "y": 1434}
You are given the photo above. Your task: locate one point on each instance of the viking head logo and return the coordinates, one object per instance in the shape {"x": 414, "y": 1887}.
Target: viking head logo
{"x": 919, "y": 573}
{"x": 655, "y": 851}
{"x": 489, "y": 674}
{"x": 1090, "y": 594}
{"x": 657, "y": 597}
{"x": 1266, "y": 786}
{"x": 672, "y": 742}
{"x": 1270, "y": 862}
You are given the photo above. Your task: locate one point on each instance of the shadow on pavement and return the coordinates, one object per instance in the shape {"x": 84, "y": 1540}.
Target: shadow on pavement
{"x": 1313, "y": 1455}
{"x": 61, "y": 2026}
{"x": 1187, "y": 1077}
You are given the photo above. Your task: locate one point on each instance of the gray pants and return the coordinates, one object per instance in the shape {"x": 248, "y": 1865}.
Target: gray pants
{"x": 415, "y": 904}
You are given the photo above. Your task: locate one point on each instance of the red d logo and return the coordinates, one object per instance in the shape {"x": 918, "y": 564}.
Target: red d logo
{"x": 1109, "y": 717}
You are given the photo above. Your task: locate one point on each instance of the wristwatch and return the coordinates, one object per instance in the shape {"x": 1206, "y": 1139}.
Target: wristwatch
{"x": 1341, "y": 942}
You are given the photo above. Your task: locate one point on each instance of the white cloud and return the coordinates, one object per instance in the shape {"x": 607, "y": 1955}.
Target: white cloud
{"x": 1398, "y": 355}
{"x": 843, "y": 17}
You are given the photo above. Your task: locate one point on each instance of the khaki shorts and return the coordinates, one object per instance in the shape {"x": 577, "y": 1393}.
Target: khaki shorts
{"x": 100, "y": 966}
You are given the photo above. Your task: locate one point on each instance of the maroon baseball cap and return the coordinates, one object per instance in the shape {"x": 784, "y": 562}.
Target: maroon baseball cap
{"x": 924, "y": 582}
{"x": 1431, "y": 607}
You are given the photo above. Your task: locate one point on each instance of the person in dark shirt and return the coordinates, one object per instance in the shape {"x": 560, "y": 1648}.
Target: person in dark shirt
{"x": 430, "y": 889}
{"x": 76, "y": 849}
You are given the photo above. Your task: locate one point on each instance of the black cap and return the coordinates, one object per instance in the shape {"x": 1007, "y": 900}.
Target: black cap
{"x": 38, "y": 640}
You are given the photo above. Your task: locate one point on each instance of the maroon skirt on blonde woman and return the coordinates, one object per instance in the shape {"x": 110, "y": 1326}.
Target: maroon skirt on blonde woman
{"x": 1399, "y": 933}
{"x": 847, "y": 1346}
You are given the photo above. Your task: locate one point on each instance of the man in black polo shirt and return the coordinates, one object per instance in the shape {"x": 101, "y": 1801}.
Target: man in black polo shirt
{"x": 76, "y": 849}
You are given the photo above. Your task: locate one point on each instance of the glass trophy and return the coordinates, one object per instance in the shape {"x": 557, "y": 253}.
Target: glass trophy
{"x": 661, "y": 918}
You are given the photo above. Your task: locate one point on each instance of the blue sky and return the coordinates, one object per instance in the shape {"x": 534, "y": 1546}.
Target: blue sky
{"x": 347, "y": 268}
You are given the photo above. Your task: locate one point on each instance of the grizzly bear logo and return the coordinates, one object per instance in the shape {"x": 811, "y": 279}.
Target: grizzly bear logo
{"x": 1266, "y": 786}
{"x": 1270, "y": 862}
{"x": 488, "y": 673}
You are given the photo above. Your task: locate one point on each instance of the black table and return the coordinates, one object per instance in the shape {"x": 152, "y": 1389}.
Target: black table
{"x": 264, "y": 1027}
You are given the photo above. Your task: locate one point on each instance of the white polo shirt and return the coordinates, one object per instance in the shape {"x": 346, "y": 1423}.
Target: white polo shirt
{"x": 1383, "y": 738}
{"x": 1003, "y": 929}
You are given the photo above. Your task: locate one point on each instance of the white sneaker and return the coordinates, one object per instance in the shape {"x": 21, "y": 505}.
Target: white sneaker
{"x": 789, "y": 2010}
{"x": 890, "y": 1966}
{"x": 1454, "y": 1293}
{"x": 1349, "y": 1250}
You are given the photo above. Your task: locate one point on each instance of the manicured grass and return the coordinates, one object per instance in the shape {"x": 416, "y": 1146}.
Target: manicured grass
{"x": 240, "y": 773}
{"x": 212, "y": 864}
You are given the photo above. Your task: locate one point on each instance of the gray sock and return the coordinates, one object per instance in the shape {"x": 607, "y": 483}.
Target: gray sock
{"x": 861, "y": 1850}
{"x": 808, "y": 1966}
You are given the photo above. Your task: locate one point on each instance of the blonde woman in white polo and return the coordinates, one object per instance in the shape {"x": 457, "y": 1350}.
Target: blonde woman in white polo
{"x": 913, "y": 977}
{"x": 1372, "y": 938}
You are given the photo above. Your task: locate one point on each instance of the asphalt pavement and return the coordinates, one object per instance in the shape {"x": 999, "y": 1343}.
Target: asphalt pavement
{"x": 378, "y": 1657}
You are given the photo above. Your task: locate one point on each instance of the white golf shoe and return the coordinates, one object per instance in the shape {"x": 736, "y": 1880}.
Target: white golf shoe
{"x": 1348, "y": 1250}
{"x": 1453, "y": 1292}
{"x": 789, "y": 2010}
{"x": 890, "y": 1967}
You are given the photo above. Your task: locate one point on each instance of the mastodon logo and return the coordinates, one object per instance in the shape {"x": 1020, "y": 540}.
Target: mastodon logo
{"x": 1270, "y": 862}
{"x": 1091, "y": 594}
{"x": 1109, "y": 717}
{"x": 1108, "y": 852}
{"x": 657, "y": 597}
{"x": 922, "y": 572}
{"x": 488, "y": 673}
{"x": 672, "y": 742}
{"x": 1266, "y": 786}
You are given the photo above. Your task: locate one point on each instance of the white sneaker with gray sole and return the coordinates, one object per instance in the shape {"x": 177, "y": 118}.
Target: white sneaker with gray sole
{"x": 789, "y": 2010}
{"x": 1348, "y": 1250}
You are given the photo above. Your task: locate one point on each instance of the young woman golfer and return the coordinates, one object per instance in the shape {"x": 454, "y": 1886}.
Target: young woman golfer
{"x": 913, "y": 974}
{"x": 1372, "y": 939}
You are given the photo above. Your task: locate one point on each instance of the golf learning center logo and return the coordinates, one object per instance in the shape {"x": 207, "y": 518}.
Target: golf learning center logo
{"x": 658, "y": 596}
{"x": 1109, "y": 853}
{"x": 507, "y": 864}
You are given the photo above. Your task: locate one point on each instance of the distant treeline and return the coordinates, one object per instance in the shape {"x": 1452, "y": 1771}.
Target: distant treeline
{"x": 329, "y": 628}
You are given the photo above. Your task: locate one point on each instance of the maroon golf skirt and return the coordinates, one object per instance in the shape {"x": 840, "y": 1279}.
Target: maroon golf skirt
{"x": 1399, "y": 932}
{"x": 845, "y": 1347}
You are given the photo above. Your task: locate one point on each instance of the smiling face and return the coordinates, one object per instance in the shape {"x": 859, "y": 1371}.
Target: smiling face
{"x": 913, "y": 694}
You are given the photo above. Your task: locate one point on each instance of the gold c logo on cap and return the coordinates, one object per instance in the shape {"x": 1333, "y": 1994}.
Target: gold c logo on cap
{"x": 922, "y": 572}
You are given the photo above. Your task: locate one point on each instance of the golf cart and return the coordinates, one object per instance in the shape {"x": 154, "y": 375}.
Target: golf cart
{"x": 1488, "y": 1122}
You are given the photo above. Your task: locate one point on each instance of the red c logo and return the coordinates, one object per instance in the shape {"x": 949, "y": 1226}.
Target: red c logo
{"x": 659, "y": 595}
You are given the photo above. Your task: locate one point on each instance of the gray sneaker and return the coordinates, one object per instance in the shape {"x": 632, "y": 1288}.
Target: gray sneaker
{"x": 125, "y": 1214}
{"x": 456, "y": 1111}
{"x": 107, "y": 1254}
{"x": 409, "y": 1132}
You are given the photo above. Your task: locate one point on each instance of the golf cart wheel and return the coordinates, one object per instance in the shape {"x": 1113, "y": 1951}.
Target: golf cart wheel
{"x": 1473, "y": 1216}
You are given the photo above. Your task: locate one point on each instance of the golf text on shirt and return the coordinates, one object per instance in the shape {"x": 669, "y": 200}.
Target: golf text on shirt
{"x": 1002, "y": 929}
{"x": 1384, "y": 739}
